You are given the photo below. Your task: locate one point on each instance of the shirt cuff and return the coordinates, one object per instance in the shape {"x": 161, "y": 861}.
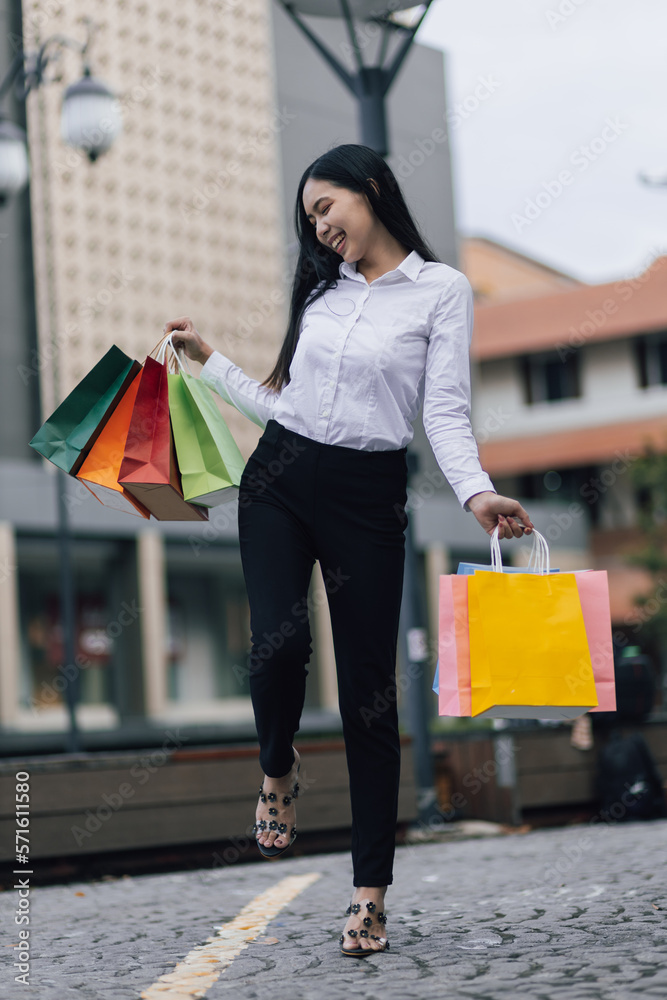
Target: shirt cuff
{"x": 216, "y": 366}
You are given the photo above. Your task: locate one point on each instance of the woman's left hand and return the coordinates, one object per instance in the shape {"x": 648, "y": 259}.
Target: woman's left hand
{"x": 492, "y": 510}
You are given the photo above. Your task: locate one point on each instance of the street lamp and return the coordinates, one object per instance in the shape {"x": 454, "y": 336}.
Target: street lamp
{"x": 13, "y": 160}
{"x": 90, "y": 121}
{"x": 369, "y": 84}
{"x": 90, "y": 116}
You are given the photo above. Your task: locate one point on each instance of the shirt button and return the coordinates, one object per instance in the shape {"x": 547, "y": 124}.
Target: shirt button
{"x": 325, "y": 413}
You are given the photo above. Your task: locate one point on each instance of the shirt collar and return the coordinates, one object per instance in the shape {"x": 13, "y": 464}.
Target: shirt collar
{"x": 410, "y": 267}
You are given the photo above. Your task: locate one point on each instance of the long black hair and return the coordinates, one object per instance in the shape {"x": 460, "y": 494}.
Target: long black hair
{"x": 349, "y": 166}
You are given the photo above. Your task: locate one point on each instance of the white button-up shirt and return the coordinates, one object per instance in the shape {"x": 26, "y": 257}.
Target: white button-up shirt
{"x": 367, "y": 356}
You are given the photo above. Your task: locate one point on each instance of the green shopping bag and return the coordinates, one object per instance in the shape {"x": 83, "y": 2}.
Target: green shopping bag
{"x": 74, "y": 426}
{"x": 208, "y": 457}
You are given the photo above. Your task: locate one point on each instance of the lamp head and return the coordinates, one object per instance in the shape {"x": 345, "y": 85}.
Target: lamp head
{"x": 14, "y": 165}
{"x": 91, "y": 117}
{"x": 363, "y": 10}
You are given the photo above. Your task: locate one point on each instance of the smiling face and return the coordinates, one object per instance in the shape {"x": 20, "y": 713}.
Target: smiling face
{"x": 343, "y": 219}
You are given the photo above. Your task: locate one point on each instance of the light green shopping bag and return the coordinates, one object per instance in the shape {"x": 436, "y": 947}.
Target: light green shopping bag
{"x": 208, "y": 457}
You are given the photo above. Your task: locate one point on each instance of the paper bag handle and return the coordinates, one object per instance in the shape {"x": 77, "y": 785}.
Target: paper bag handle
{"x": 172, "y": 360}
{"x": 539, "y": 554}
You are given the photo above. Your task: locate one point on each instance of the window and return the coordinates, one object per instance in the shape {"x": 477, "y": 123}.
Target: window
{"x": 565, "y": 485}
{"x": 547, "y": 377}
{"x": 651, "y": 355}
{"x": 107, "y": 636}
{"x": 208, "y": 624}
{"x": 209, "y": 635}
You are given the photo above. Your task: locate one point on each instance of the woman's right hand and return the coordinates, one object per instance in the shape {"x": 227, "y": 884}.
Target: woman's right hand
{"x": 186, "y": 338}
{"x": 495, "y": 511}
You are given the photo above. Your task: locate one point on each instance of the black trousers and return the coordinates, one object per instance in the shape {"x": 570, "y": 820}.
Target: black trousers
{"x": 301, "y": 501}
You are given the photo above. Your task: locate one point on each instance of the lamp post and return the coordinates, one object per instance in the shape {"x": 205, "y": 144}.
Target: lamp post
{"x": 414, "y": 645}
{"x": 370, "y": 85}
{"x": 90, "y": 121}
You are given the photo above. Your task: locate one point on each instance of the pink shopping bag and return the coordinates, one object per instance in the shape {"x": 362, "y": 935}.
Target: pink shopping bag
{"x": 593, "y": 587}
{"x": 454, "y": 696}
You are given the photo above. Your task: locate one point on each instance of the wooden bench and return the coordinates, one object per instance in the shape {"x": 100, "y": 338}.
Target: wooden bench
{"x": 116, "y": 801}
{"x": 549, "y": 773}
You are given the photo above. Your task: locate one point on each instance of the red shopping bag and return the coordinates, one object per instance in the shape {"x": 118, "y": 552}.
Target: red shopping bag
{"x": 149, "y": 470}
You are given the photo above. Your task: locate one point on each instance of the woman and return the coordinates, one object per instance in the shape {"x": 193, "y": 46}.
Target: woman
{"x": 376, "y": 324}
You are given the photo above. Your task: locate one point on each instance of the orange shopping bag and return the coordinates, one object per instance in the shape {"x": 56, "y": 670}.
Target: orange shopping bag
{"x": 100, "y": 470}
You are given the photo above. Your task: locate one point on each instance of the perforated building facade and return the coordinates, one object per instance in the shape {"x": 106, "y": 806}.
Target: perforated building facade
{"x": 183, "y": 214}
{"x": 188, "y": 213}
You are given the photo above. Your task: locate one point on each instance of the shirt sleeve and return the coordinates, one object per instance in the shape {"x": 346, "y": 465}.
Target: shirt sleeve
{"x": 231, "y": 383}
{"x": 446, "y": 413}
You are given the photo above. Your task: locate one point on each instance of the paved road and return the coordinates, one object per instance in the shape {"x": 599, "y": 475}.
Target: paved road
{"x": 567, "y": 914}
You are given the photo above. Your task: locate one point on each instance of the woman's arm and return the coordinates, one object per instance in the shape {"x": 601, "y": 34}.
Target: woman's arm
{"x": 446, "y": 414}
{"x": 254, "y": 401}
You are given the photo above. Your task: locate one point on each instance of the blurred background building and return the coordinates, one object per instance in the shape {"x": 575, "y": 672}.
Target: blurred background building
{"x": 224, "y": 104}
{"x": 189, "y": 213}
{"x": 579, "y": 374}
{"x": 183, "y": 215}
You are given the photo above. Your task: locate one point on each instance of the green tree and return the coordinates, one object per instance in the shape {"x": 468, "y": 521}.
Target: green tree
{"x": 649, "y": 476}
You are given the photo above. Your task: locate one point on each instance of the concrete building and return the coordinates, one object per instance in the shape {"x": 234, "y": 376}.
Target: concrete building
{"x": 576, "y": 380}
{"x": 223, "y": 107}
{"x": 168, "y": 222}
{"x": 498, "y": 273}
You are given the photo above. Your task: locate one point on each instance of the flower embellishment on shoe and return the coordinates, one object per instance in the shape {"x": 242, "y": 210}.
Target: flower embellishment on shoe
{"x": 261, "y": 826}
{"x": 363, "y": 932}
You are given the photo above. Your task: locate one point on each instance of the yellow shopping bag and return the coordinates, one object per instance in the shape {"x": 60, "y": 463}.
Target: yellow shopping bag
{"x": 528, "y": 646}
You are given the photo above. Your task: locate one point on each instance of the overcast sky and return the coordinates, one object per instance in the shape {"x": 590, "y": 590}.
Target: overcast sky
{"x": 574, "y": 86}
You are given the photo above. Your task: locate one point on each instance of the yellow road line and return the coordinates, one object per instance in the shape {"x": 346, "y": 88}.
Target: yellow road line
{"x": 202, "y": 966}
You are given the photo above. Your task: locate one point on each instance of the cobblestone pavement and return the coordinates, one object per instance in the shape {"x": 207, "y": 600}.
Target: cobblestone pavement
{"x": 568, "y": 914}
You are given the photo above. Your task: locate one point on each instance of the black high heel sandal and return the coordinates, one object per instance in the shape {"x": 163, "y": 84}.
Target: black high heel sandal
{"x": 273, "y": 851}
{"x": 360, "y": 952}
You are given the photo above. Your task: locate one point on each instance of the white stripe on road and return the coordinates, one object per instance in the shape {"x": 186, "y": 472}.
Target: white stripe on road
{"x": 202, "y": 966}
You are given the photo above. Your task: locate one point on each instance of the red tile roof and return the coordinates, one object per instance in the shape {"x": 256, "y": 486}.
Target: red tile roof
{"x": 573, "y": 318}
{"x": 580, "y": 446}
